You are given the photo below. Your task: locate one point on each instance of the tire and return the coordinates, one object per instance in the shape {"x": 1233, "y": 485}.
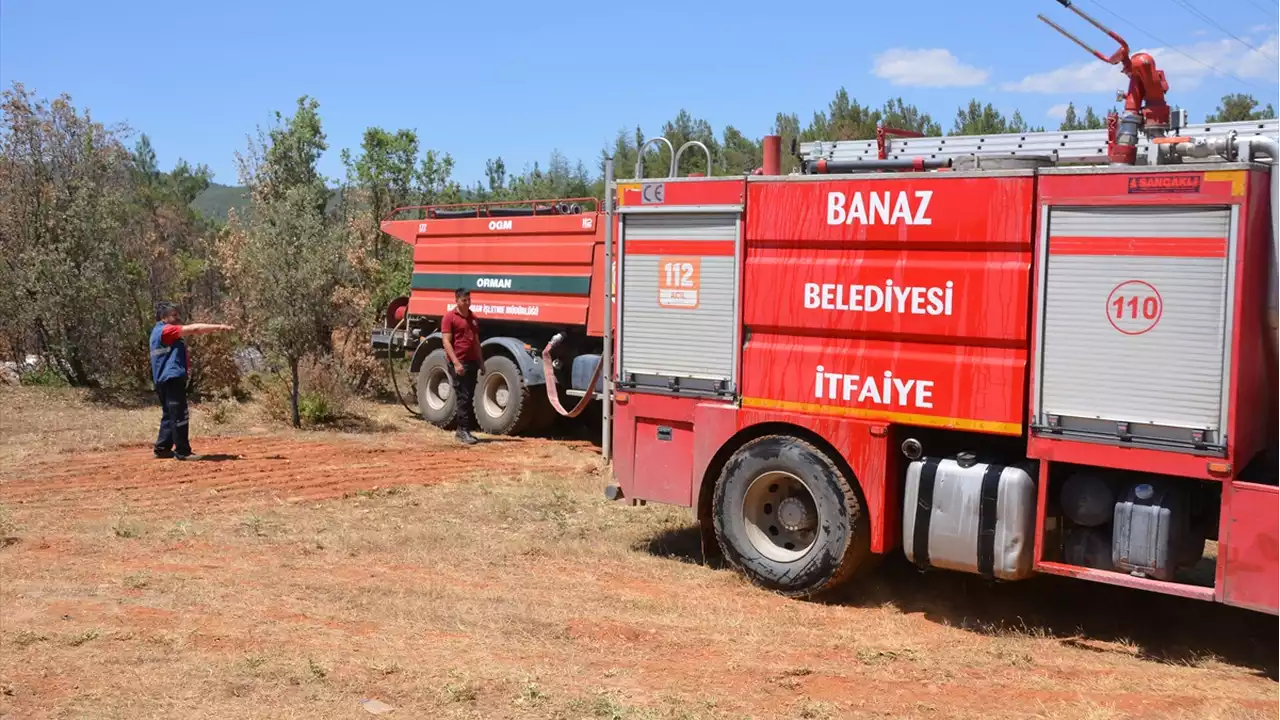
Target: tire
{"x": 502, "y": 400}
{"x": 435, "y": 390}
{"x": 810, "y": 545}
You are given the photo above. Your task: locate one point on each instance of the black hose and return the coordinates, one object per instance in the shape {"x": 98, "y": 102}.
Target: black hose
{"x": 392, "y": 372}
{"x": 521, "y": 212}
{"x": 454, "y": 214}
{"x": 480, "y": 212}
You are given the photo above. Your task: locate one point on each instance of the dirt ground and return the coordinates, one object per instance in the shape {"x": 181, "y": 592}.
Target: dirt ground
{"x": 298, "y": 574}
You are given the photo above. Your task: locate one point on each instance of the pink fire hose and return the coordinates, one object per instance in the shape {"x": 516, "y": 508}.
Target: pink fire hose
{"x": 553, "y": 395}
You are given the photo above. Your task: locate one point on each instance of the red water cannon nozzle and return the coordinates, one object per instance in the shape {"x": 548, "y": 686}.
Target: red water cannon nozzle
{"x": 1145, "y": 110}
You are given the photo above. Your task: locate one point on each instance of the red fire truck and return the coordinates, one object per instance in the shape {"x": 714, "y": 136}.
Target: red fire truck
{"x": 1042, "y": 353}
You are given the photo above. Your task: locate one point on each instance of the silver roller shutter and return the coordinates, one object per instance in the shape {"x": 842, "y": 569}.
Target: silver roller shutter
{"x": 1140, "y": 222}
{"x": 1162, "y": 384}
{"x": 693, "y": 344}
{"x": 682, "y": 226}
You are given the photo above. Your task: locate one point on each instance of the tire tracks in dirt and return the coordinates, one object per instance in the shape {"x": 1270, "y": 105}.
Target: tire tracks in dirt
{"x": 247, "y": 468}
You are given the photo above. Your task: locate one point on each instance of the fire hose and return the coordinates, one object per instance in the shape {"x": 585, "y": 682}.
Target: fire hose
{"x": 392, "y": 372}
{"x": 553, "y": 395}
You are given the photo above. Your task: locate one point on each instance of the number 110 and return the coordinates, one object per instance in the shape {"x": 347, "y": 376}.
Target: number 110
{"x": 1150, "y": 306}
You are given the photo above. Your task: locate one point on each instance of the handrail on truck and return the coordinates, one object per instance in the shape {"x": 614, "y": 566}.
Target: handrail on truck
{"x": 675, "y": 162}
{"x": 606, "y": 356}
{"x": 640, "y": 156}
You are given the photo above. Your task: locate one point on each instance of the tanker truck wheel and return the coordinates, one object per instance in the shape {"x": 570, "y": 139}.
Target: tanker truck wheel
{"x": 503, "y": 403}
{"x": 435, "y": 390}
{"x": 788, "y": 518}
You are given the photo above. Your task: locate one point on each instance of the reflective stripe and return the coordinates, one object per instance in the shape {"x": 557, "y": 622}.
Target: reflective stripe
{"x": 161, "y": 351}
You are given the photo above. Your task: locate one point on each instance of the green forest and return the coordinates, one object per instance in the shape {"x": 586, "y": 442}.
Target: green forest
{"x": 93, "y": 234}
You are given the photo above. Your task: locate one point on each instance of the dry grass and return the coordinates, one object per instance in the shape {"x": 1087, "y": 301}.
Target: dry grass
{"x": 496, "y": 582}
{"x": 38, "y": 421}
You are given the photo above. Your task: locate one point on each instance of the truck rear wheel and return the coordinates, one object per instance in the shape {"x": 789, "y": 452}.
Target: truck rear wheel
{"x": 435, "y": 390}
{"x": 788, "y": 518}
{"x": 502, "y": 403}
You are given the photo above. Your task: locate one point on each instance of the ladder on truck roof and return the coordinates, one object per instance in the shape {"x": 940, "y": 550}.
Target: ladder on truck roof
{"x": 1061, "y": 145}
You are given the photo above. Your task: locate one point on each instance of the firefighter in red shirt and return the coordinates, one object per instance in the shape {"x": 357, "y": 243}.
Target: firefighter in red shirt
{"x": 462, "y": 344}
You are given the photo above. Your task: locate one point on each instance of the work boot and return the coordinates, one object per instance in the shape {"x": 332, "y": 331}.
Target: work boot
{"x": 466, "y": 438}
{"x": 162, "y": 454}
{"x": 188, "y": 456}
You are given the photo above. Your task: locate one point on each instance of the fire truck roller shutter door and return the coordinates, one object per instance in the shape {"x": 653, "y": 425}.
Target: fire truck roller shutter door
{"x": 1135, "y": 323}
{"x": 679, "y": 299}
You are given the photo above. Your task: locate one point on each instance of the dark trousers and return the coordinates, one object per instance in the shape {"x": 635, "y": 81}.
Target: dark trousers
{"x": 464, "y": 387}
{"x": 173, "y": 417}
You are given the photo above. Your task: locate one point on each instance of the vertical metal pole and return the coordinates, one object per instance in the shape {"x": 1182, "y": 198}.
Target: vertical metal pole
{"x": 606, "y": 431}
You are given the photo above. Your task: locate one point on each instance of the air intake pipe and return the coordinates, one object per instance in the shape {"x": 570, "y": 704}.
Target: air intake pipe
{"x": 772, "y": 147}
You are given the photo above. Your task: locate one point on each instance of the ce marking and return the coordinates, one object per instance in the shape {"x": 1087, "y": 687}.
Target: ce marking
{"x": 653, "y": 194}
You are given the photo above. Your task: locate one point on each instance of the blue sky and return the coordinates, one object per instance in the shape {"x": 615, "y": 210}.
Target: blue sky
{"x": 505, "y": 78}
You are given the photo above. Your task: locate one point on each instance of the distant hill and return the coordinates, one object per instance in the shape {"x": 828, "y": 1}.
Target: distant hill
{"x": 217, "y": 199}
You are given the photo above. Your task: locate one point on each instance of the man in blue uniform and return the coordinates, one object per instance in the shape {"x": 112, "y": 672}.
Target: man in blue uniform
{"x": 169, "y": 367}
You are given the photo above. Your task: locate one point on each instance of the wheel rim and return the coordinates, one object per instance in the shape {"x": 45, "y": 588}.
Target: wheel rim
{"x": 780, "y": 516}
{"x": 439, "y": 389}
{"x": 496, "y": 395}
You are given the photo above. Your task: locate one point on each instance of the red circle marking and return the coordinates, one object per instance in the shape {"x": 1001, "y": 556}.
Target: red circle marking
{"x": 1137, "y": 286}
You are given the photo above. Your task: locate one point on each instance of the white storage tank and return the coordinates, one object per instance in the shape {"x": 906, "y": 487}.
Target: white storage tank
{"x": 974, "y": 517}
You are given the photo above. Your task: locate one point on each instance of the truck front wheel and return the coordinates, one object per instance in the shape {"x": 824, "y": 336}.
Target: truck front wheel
{"x": 435, "y": 390}
{"x": 788, "y": 518}
{"x": 503, "y": 402}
